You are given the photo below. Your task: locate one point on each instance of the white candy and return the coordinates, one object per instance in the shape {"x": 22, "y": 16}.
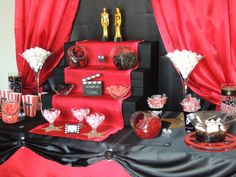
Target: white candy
{"x": 200, "y": 128}
{"x": 36, "y": 57}
{"x": 184, "y": 61}
{"x": 211, "y": 128}
{"x": 222, "y": 128}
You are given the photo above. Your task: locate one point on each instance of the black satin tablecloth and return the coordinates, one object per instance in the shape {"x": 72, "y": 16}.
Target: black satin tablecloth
{"x": 141, "y": 158}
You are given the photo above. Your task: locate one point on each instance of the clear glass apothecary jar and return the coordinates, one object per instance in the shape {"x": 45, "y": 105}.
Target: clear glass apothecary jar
{"x": 228, "y": 99}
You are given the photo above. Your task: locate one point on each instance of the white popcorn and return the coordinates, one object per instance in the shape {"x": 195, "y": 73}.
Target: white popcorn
{"x": 36, "y": 57}
{"x": 184, "y": 61}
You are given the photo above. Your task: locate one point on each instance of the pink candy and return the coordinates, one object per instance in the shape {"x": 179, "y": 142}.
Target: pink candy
{"x": 118, "y": 91}
{"x": 157, "y": 101}
{"x": 80, "y": 113}
{"x": 190, "y": 104}
{"x": 94, "y": 120}
{"x": 51, "y": 114}
{"x": 228, "y": 109}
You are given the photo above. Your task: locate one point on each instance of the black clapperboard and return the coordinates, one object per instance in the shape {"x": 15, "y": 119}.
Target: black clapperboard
{"x": 92, "y": 88}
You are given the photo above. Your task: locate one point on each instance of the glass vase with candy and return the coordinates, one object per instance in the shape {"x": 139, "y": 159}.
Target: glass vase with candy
{"x": 184, "y": 61}
{"x": 36, "y": 58}
{"x": 228, "y": 99}
{"x": 156, "y": 103}
{"x": 190, "y": 105}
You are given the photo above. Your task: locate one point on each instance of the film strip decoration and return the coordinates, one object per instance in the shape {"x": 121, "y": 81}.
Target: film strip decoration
{"x": 92, "y": 88}
{"x": 72, "y": 128}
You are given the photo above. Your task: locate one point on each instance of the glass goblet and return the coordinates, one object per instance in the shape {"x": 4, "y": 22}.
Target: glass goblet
{"x": 51, "y": 114}
{"x": 80, "y": 114}
{"x": 95, "y": 120}
{"x": 36, "y": 58}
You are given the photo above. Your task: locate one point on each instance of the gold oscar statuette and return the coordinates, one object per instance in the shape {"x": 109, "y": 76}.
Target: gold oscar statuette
{"x": 117, "y": 24}
{"x": 105, "y": 24}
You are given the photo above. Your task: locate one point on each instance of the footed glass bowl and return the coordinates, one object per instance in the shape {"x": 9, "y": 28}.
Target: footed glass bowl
{"x": 211, "y": 126}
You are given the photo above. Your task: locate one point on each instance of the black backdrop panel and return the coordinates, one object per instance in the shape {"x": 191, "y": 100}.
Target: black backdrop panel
{"x": 138, "y": 21}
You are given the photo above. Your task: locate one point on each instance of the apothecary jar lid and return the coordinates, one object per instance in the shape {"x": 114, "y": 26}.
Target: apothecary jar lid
{"x": 228, "y": 89}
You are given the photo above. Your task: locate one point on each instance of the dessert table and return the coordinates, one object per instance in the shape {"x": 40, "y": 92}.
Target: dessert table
{"x": 122, "y": 154}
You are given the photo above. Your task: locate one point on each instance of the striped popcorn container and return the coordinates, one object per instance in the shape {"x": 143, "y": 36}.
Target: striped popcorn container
{"x": 4, "y": 94}
{"x": 14, "y": 96}
{"x": 30, "y": 105}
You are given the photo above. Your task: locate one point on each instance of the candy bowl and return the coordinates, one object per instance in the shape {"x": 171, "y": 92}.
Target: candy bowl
{"x": 157, "y": 102}
{"x": 95, "y": 120}
{"x": 59, "y": 87}
{"x": 211, "y": 126}
{"x": 50, "y": 115}
{"x": 123, "y": 57}
{"x": 80, "y": 114}
{"x": 118, "y": 91}
{"x": 76, "y": 56}
{"x": 63, "y": 88}
{"x": 146, "y": 124}
{"x": 10, "y": 111}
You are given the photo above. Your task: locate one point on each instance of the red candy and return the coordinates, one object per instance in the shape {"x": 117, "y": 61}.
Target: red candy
{"x": 148, "y": 129}
{"x": 10, "y": 111}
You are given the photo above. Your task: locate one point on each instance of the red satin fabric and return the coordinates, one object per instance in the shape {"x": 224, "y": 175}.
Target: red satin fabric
{"x": 112, "y": 109}
{"x": 46, "y": 24}
{"x": 205, "y": 27}
{"x": 26, "y": 163}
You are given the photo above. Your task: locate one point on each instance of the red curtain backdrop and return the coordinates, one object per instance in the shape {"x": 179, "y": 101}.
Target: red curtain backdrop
{"x": 207, "y": 28}
{"x": 46, "y": 24}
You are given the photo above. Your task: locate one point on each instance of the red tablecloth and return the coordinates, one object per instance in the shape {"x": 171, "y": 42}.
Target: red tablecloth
{"x": 26, "y": 163}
